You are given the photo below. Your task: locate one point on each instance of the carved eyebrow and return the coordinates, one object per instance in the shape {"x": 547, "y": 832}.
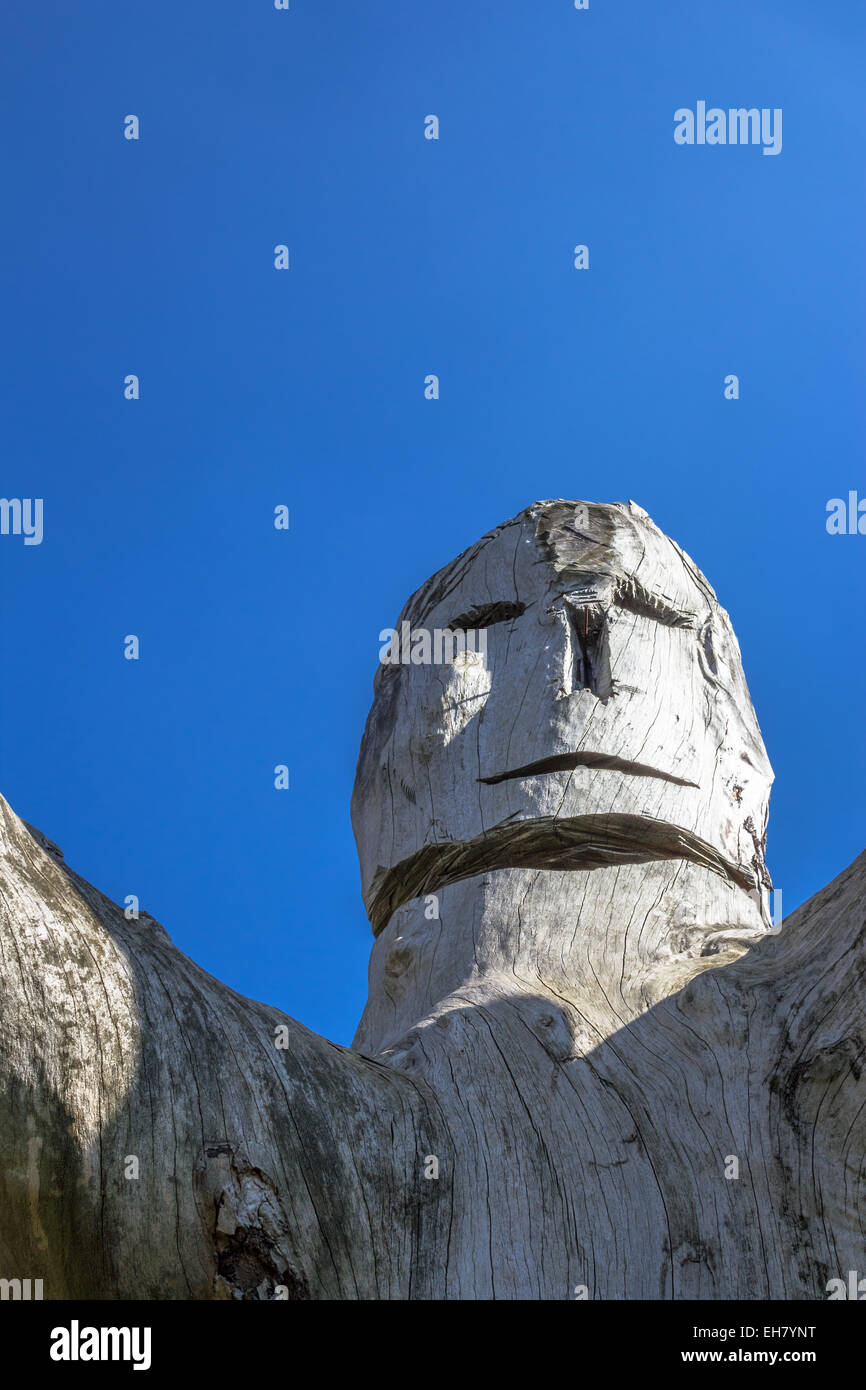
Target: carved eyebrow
{"x": 486, "y": 614}
{"x": 564, "y": 762}
{"x": 629, "y": 593}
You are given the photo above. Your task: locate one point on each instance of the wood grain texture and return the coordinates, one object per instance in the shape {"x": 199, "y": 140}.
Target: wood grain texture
{"x": 577, "y": 1005}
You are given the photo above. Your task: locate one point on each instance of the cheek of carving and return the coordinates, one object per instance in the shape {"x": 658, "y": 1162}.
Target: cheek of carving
{"x": 399, "y": 958}
{"x": 466, "y": 686}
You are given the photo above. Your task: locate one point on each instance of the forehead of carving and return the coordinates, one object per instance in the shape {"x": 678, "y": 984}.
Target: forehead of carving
{"x": 447, "y": 581}
{"x": 585, "y": 539}
{"x": 576, "y": 536}
{"x": 549, "y": 548}
{"x": 557, "y": 548}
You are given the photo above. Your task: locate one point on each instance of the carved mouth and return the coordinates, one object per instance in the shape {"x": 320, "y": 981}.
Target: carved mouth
{"x": 545, "y": 842}
{"x": 564, "y": 762}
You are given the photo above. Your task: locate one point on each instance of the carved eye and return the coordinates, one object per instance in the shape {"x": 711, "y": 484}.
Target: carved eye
{"x": 486, "y": 614}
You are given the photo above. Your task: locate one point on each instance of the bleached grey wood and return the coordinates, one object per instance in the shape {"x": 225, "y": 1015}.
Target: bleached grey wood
{"x": 596, "y": 1022}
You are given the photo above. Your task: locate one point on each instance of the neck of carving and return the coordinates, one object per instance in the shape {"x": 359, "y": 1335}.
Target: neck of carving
{"x": 603, "y": 944}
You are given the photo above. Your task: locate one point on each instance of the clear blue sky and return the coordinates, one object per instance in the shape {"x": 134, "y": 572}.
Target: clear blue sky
{"x": 306, "y": 388}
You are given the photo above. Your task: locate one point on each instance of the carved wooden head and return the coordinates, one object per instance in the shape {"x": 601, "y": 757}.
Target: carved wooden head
{"x": 596, "y": 713}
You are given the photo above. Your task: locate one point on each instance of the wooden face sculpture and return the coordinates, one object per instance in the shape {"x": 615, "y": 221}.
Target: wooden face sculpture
{"x": 595, "y": 713}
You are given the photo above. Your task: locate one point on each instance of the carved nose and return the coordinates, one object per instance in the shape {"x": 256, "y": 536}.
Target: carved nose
{"x": 586, "y": 659}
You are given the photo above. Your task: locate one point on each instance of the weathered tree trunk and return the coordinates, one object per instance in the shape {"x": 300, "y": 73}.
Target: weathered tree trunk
{"x": 587, "y": 1061}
